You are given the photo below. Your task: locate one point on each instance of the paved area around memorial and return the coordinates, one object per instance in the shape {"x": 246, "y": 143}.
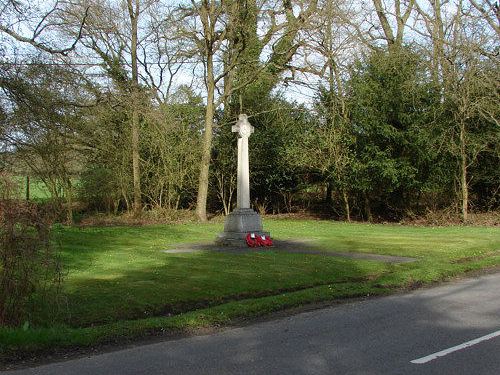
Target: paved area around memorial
{"x": 287, "y": 246}
{"x": 450, "y": 329}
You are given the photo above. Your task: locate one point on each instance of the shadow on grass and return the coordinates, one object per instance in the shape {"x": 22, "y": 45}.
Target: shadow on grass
{"x": 178, "y": 283}
{"x": 119, "y": 274}
{"x": 120, "y": 285}
{"x": 188, "y": 291}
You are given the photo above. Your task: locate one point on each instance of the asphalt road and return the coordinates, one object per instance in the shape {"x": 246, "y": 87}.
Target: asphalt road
{"x": 377, "y": 336}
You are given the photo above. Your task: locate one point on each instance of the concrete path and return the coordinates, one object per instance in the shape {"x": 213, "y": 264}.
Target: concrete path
{"x": 451, "y": 329}
{"x": 287, "y": 246}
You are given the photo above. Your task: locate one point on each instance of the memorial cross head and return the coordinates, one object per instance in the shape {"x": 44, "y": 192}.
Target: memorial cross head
{"x": 243, "y": 127}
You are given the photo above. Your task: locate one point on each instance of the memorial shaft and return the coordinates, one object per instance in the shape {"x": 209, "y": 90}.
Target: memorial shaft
{"x": 244, "y": 130}
{"x": 243, "y": 192}
{"x": 243, "y": 219}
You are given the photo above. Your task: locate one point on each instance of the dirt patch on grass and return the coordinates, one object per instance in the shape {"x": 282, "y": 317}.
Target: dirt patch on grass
{"x": 151, "y": 217}
{"x": 450, "y": 217}
{"x": 477, "y": 257}
{"x": 165, "y": 216}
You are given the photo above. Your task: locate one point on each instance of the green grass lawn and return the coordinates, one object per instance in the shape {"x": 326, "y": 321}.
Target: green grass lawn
{"x": 38, "y": 190}
{"x": 119, "y": 284}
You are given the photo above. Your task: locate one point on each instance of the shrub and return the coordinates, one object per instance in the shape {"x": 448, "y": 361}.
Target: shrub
{"x": 9, "y": 187}
{"x": 30, "y": 273}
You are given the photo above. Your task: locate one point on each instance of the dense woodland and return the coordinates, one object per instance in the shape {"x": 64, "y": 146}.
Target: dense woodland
{"x": 366, "y": 110}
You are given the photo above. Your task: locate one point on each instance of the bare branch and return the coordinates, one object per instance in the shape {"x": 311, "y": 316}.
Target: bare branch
{"x": 486, "y": 13}
{"x": 39, "y": 28}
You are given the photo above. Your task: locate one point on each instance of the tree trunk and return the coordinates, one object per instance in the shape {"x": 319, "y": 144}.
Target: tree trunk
{"x": 27, "y": 187}
{"x": 201, "y": 201}
{"x": 328, "y": 194}
{"x": 225, "y": 199}
{"x": 394, "y": 41}
{"x": 438, "y": 42}
{"x": 368, "y": 209}
{"x": 463, "y": 174}
{"x": 69, "y": 203}
{"x": 386, "y": 27}
{"x": 135, "y": 163}
{"x": 346, "y": 205}
{"x": 226, "y": 206}
{"x": 133, "y": 10}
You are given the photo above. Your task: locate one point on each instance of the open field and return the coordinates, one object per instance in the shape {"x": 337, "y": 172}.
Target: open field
{"x": 37, "y": 189}
{"x": 119, "y": 284}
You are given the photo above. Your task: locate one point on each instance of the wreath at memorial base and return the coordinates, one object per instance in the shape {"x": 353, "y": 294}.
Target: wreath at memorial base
{"x": 257, "y": 240}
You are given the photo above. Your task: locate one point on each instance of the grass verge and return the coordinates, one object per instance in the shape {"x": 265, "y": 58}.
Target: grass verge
{"x": 120, "y": 286}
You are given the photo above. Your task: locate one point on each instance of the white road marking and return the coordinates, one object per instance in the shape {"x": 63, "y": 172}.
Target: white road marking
{"x": 467, "y": 344}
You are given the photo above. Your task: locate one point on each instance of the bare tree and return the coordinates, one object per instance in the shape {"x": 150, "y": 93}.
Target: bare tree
{"x": 32, "y": 24}
{"x": 115, "y": 38}
{"x": 490, "y": 11}
{"x": 225, "y": 36}
{"x": 41, "y": 122}
{"x": 401, "y": 13}
{"x": 163, "y": 56}
{"x": 460, "y": 62}
{"x": 208, "y": 39}
{"x": 326, "y": 55}
{"x": 133, "y": 7}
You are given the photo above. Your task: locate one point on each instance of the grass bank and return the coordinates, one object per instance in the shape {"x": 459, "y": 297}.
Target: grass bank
{"x": 120, "y": 285}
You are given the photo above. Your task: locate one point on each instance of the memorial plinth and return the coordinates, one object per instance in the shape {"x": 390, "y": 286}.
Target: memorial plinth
{"x": 243, "y": 219}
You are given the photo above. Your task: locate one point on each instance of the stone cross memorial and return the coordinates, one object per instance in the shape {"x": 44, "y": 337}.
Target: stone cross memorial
{"x": 243, "y": 219}
{"x": 244, "y": 130}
